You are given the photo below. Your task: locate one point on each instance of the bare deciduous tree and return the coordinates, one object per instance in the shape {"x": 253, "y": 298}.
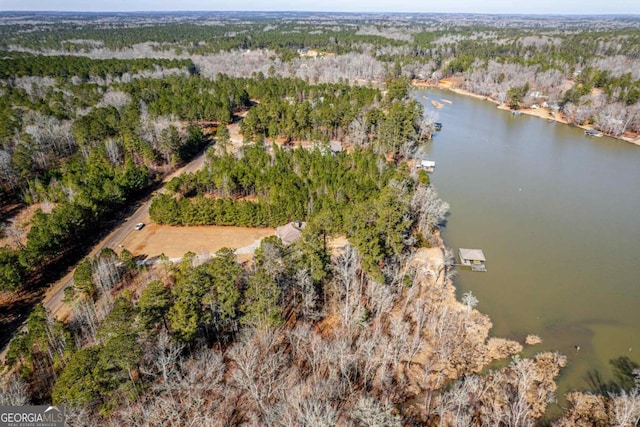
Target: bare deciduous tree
{"x": 15, "y": 233}
{"x": 345, "y": 268}
{"x": 469, "y": 300}
{"x": 114, "y": 153}
{"x": 165, "y": 355}
{"x": 107, "y": 273}
{"x": 115, "y": 98}
{"x": 358, "y": 135}
{"x": 625, "y": 409}
{"x": 8, "y": 176}
{"x": 259, "y": 370}
{"x": 13, "y": 391}
{"x": 371, "y": 413}
{"x": 428, "y": 209}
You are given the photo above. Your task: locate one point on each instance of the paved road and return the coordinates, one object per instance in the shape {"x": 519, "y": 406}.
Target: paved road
{"x": 53, "y": 300}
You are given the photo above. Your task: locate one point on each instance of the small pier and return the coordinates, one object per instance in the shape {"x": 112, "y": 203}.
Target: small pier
{"x": 473, "y": 258}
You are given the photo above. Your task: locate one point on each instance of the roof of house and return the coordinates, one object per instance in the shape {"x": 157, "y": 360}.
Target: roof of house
{"x": 290, "y": 232}
{"x": 472, "y": 254}
{"x": 335, "y": 146}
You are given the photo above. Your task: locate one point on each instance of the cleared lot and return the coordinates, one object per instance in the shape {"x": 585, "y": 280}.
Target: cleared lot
{"x": 154, "y": 239}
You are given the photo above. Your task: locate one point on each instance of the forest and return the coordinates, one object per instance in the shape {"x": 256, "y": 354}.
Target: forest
{"x": 97, "y": 110}
{"x": 584, "y": 67}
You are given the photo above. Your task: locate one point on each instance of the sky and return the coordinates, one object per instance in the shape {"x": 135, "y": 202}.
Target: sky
{"x": 626, "y": 7}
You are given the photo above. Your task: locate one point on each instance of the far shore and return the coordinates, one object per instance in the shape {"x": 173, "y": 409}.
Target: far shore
{"x": 543, "y": 113}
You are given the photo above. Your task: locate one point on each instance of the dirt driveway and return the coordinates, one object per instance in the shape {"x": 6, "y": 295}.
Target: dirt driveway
{"x": 174, "y": 242}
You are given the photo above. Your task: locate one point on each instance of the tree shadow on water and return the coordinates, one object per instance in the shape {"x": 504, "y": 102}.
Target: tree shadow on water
{"x": 626, "y": 374}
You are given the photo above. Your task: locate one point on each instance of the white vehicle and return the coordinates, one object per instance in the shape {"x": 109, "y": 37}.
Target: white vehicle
{"x": 139, "y": 226}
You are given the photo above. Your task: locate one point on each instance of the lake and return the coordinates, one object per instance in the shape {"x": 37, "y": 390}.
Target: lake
{"x": 557, "y": 215}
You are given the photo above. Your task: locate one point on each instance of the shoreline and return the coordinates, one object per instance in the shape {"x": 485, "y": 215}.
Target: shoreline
{"x": 543, "y": 113}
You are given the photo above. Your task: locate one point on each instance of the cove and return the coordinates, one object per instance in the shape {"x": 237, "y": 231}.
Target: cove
{"x": 557, "y": 215}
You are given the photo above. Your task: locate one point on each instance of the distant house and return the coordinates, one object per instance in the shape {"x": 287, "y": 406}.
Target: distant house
{"x": 335, "y": 146}
{"x": 290, "y": 232}
{"x": 473, "y": 258}
{"x": 307, "y": 52}
{"x": 427, "y": 165}
{"x": 332, "y": 147}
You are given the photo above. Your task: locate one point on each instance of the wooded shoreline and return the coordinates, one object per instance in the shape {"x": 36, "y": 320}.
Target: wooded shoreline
{"x": 543, "y": 113}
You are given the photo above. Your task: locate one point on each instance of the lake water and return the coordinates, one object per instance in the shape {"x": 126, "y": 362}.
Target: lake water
{"x": 557, "y": 215}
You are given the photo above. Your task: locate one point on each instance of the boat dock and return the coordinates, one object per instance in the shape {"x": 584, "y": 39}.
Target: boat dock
{"x": 593, "y": 132}
{"x": 427, "y": 165}
{"x": 473, "y": 258}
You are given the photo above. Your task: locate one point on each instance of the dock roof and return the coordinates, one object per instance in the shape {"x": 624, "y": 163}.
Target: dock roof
{"x": 472, "y": 254}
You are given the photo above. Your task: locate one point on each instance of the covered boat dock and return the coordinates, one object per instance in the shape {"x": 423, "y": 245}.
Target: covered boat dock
{"x": 473, "y": 258}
